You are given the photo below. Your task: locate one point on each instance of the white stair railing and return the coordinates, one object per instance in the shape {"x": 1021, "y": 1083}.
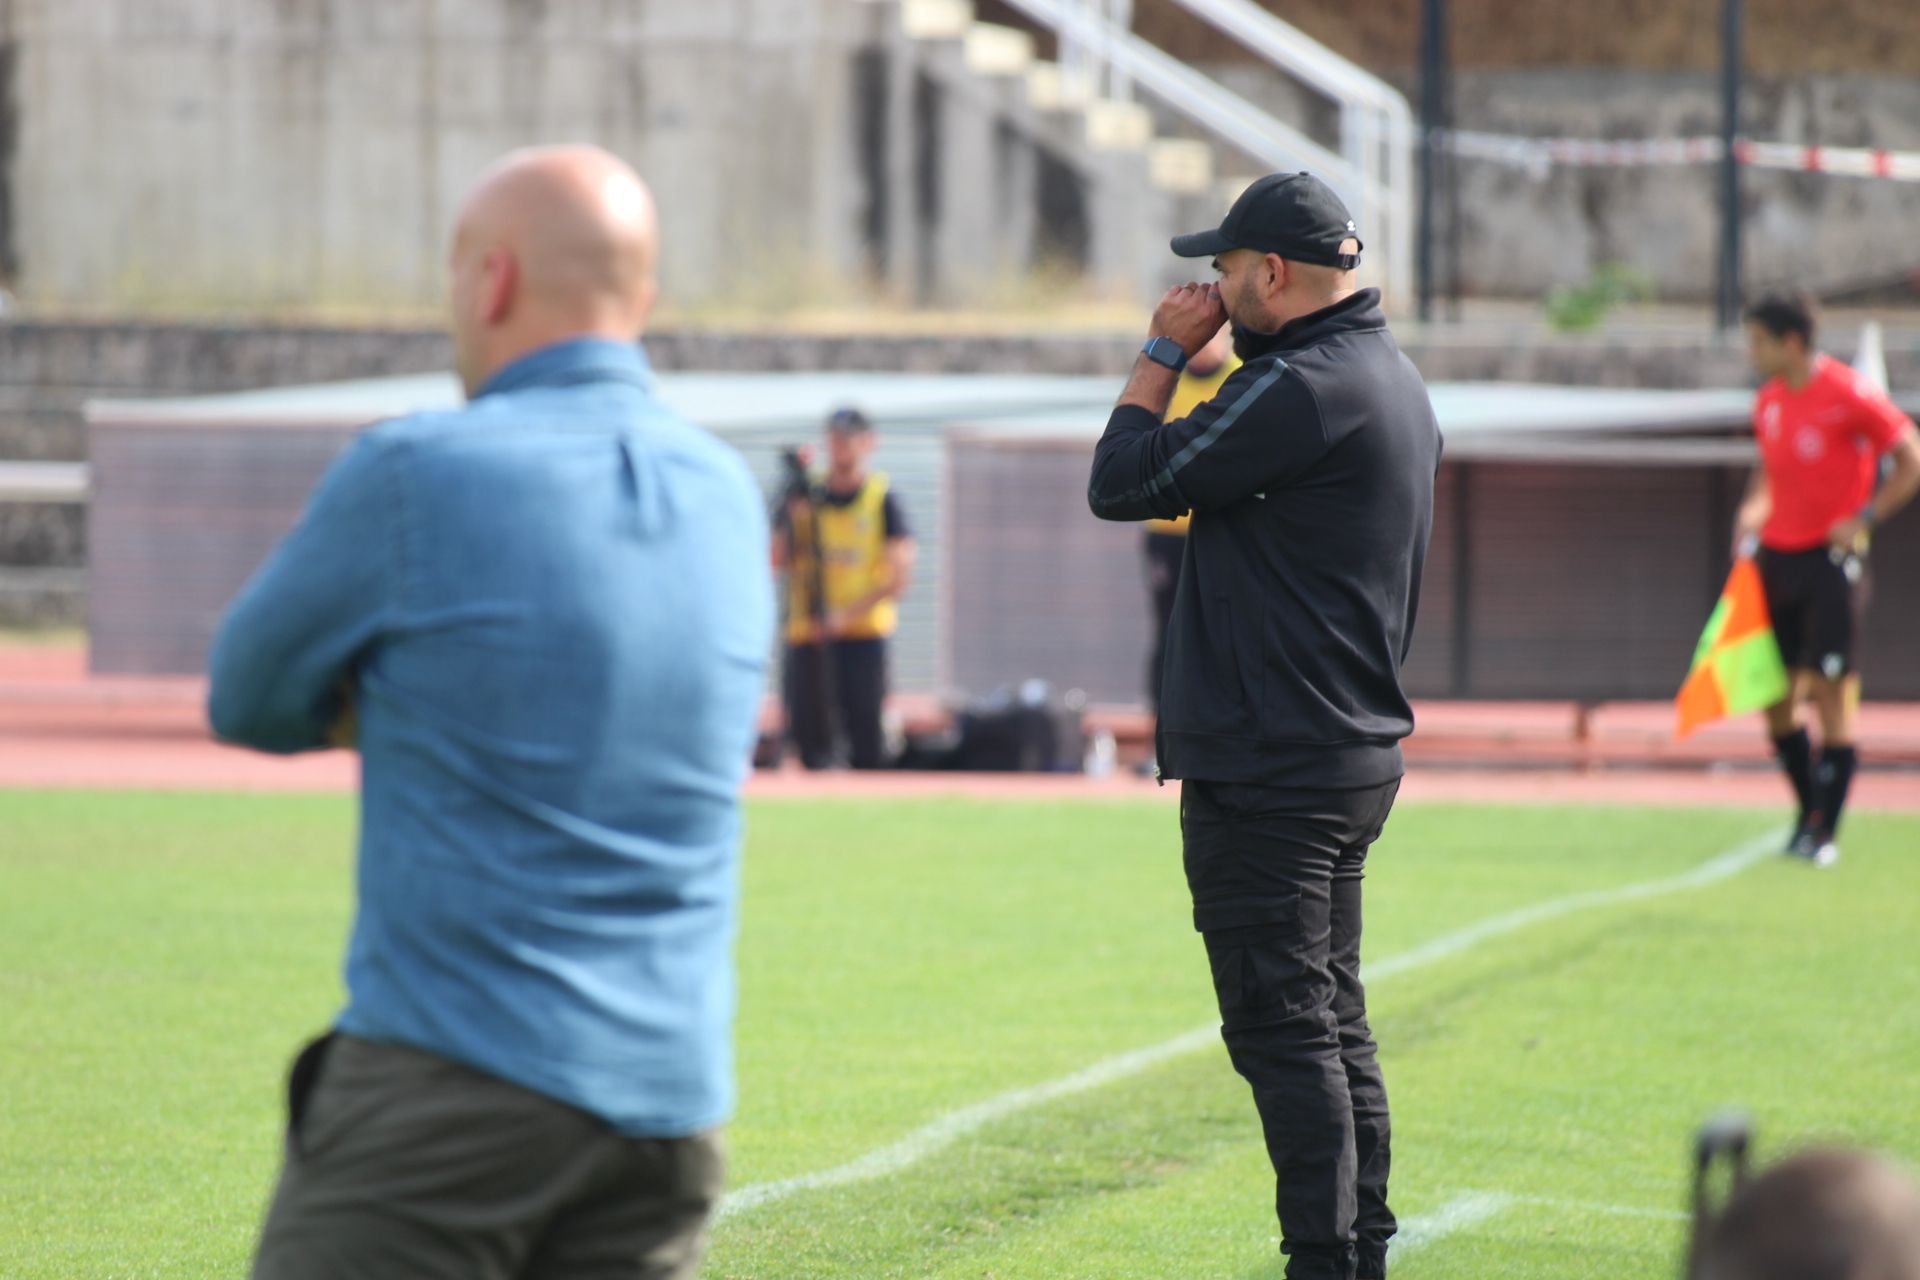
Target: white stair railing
{"x": 1373, "y": 172}
{"x": 1377, "y": 132}
{"x": 1091, "y": 63}
{"x": 1202, "y": 100}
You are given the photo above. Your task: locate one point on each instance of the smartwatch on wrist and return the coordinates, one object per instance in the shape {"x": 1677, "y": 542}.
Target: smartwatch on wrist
{"x": 1164, "y": 350}
{"x": 1866, "y": 516}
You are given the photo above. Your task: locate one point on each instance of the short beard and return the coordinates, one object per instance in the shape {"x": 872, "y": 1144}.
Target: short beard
{"x": 1249, "y": 342}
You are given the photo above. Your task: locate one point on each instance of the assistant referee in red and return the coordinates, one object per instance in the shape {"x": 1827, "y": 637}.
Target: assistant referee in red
{"x": 1812, "y": 504}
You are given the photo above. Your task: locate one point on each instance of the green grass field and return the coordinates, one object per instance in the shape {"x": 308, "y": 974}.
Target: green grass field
{"x": 161, "y": 956}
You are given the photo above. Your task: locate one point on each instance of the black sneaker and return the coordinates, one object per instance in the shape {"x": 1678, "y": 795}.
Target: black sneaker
{"x": 1811, "y": 844}
{"x": 1804, "y": 841}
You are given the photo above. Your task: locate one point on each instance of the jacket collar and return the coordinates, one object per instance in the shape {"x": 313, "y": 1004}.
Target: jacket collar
{"x": 1354, "y": 313}
{"x": 574, "y": 361}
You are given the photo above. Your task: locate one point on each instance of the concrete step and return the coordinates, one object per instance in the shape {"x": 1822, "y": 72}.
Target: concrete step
{"x": 936, "y": 19}
{"x": 998, "y": 51}
{"x": 1135, "y": 186}
{"x": 1052, "y": 87}
{"x": 1113, "y": 125}
{"x": 1181, "y": 166}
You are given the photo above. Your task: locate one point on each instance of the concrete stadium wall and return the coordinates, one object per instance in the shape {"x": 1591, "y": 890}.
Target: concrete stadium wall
{"x": 262, "y": 156}
{"x": 1522, "y": 234}
{"x": 47, "y": 371}
{"x": 64, "y": 362}
{"x": 305, "y": 157}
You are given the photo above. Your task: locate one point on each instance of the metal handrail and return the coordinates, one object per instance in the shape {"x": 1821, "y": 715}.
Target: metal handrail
{"x": 44, "y": 482}
{"x": 1374, "y": 116}
{"x": 1207, "y": 103}
{"x": 1299, "y": 54}
{"x": 1360, "y": 94}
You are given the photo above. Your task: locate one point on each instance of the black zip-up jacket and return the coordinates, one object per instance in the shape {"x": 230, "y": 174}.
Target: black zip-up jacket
{"x": 1310, "y": 478}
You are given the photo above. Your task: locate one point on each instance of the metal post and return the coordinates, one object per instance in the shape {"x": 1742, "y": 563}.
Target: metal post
{"x": 1433, "y": 75}
{"x": 1072, "y": 56}
{"x": 1728, "y": 309}
{"x": 1450, "y": 182}
{"x": 1461, "y": 673}
{"x": 1122, "y": 28}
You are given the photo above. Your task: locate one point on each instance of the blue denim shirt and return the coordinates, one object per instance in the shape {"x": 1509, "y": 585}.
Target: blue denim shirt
{"x": 554, "y": 609}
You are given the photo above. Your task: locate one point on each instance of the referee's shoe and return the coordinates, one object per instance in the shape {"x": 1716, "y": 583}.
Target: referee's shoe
{"x": 1811, "y": 844}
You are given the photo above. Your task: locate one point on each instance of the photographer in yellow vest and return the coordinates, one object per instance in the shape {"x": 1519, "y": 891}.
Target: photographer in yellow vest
{"x": 843, "y": 543}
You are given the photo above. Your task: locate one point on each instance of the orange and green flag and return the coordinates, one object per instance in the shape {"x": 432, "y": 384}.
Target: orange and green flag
{"x": 1737, "y": 667}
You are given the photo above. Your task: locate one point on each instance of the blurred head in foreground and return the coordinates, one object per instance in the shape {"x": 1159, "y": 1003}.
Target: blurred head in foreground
{"x": 553, "y": 243}
{"x": 1820, "y": 1215}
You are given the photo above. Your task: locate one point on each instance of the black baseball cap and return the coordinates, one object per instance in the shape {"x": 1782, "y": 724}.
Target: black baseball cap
{"x": 1292, "y": 214}
{"x": 849, "y": 419}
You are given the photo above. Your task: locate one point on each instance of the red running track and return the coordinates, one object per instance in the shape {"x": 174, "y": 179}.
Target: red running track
{"x": 61, "y": 728}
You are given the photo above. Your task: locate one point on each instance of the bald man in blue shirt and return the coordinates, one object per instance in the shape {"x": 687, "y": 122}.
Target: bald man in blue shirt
{"x": 544, "y": 619}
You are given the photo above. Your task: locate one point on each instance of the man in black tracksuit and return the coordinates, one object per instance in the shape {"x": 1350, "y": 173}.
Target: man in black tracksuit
{"x": 1310, "y": 477}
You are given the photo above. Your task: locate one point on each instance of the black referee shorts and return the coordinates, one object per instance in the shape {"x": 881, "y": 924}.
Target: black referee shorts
{"x": 1818, "y": 600}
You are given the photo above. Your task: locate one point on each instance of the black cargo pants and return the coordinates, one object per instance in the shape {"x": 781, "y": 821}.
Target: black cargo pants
{"x": 1275, "y": 874}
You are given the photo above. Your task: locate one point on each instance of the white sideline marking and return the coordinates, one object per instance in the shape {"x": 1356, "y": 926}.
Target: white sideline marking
{"x": 1457, "y": 1214}
{"x": 1608, "y": 1210}
{"x": 1447, "y": 945}
{"x": 929, "y": 1138}
{"x": 1470, "y": 1208}
{"x": 941, "y": 1132}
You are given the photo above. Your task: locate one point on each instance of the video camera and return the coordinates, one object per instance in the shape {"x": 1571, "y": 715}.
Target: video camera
{"x": 797, "y": 481}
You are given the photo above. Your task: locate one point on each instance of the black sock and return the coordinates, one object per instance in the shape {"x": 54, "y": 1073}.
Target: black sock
{"x": 1796, "y": 757}
{"x": 1836, "y": 775}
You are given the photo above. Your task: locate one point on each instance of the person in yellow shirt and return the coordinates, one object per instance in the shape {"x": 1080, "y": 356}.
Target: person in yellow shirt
{"x": 846, "y": 550}
{"x": 1165, "y": 541}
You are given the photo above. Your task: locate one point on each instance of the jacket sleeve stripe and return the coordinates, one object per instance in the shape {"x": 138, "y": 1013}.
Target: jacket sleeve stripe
{"x": 1219, "y": 427}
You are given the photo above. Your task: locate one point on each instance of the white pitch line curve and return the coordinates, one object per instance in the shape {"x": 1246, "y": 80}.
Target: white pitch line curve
{"x": 1602, "y": 1208}
{"x": 1470, "y": 1208}
{"x": 946, "y": 1129}
{"x": 1457, "y": 1214}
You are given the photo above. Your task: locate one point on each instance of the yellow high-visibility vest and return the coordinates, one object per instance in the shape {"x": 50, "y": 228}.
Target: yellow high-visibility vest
{"x": 1189, "y": 394}
{"x": 853, "y": 547}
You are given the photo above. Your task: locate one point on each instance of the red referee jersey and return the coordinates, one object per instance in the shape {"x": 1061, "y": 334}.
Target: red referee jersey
{"x": 1821, "y": 446}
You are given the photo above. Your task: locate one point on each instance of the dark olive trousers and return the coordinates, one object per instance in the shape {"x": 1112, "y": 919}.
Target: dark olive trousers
{"x": 400, "y": 1164}
{"x": 1275, "y": 874}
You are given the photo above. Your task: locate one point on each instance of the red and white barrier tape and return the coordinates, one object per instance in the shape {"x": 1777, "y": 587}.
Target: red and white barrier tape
{"x": 1857, "y": 162}
{"x": 1539, "y": 155}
